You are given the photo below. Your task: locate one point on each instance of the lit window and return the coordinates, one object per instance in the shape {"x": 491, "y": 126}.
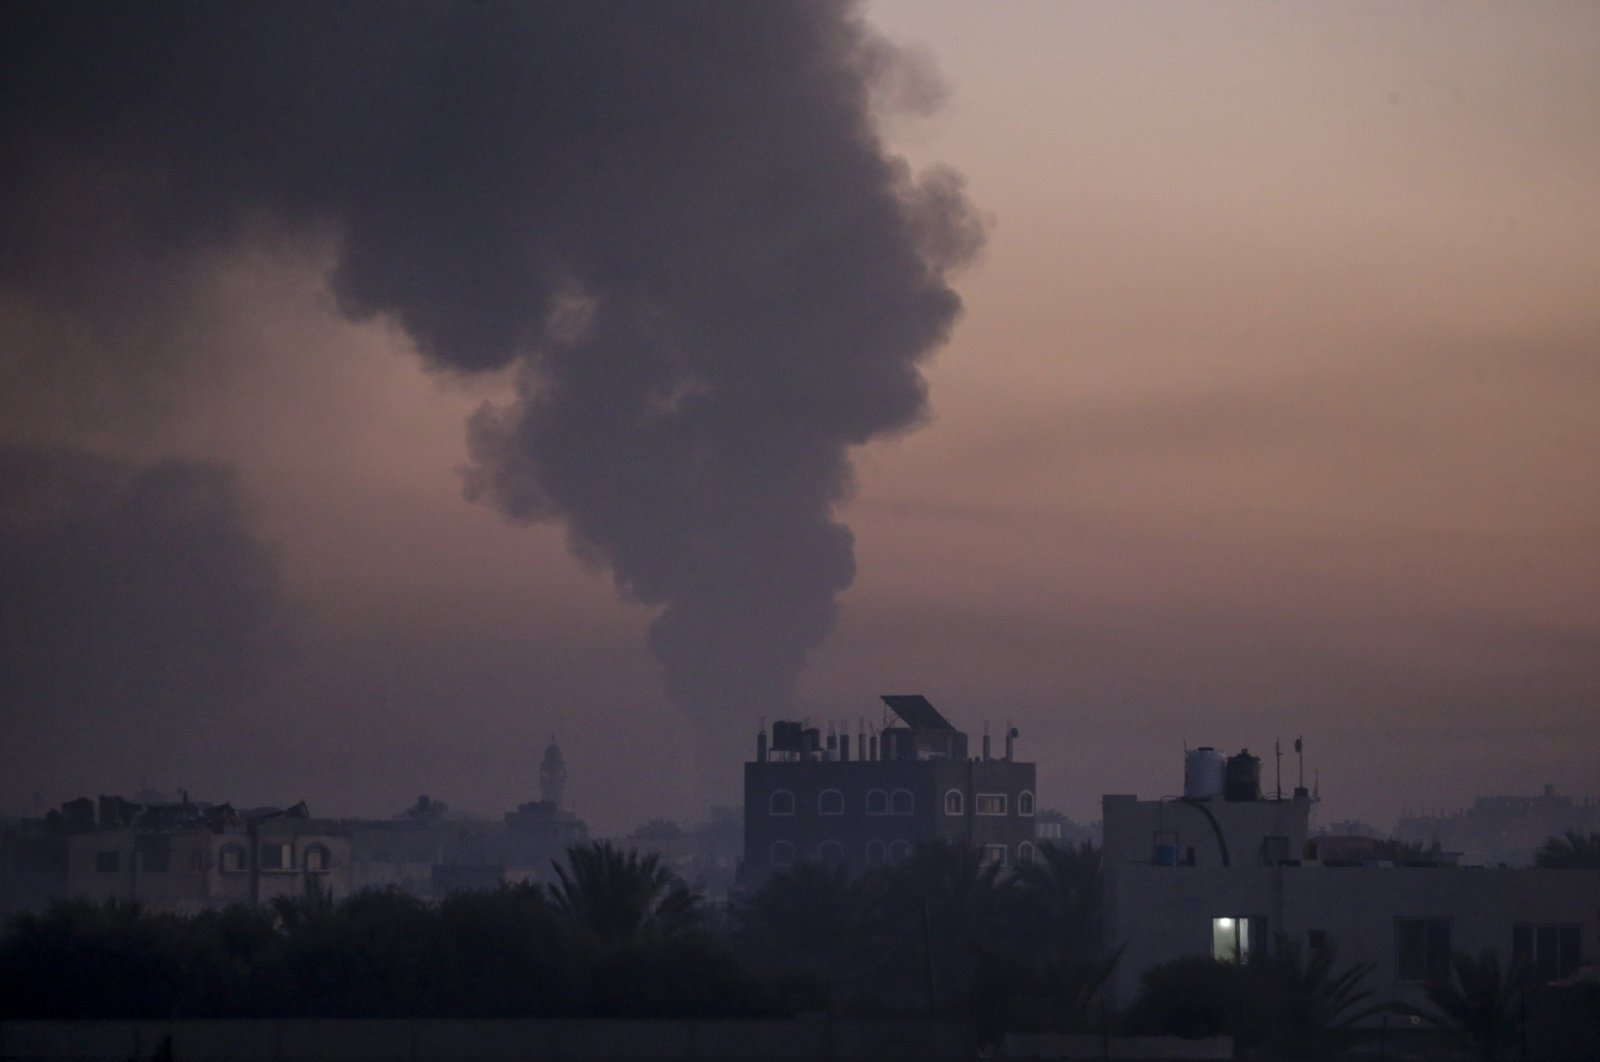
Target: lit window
{"x": 877, "y": 802}
{"x": 1551, "y": 951}
{"x": 902, "y": 802}
{"x": 954, "y": 802}
{"x": 875, "y": 854}
{"x": 1422, "y": 949}
{"x": 1237, "y": 938}
{"x": 830, "y": 802}
{"x": 899, "y": 851}
{"x": 990, "y": 804}
{"x": 830, "y": 853}
{"x": 994, "y": 855}
{"x": 231, "y": 859}
{"x": 782, "y": 854}
{"x": 317, "y": 858}
{"x": 1025, "y": 802}
{"x": 1025, "y": 854}
{"x": 781, "y": 802}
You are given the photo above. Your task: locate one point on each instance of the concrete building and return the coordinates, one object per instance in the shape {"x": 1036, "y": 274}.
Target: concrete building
{"x": 193, "y": 858}
{"x": 867, "y": 804}
{"x": 1203, "y": 874}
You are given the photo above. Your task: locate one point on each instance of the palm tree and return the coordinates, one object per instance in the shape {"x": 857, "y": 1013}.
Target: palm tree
{"x": 1570, "y": 851}
{"x": 1481, "y": 1000}
{"x": 1062, "y": 895}
{"x": 622, "y": 896}
{"x": 1306, "y": 1007}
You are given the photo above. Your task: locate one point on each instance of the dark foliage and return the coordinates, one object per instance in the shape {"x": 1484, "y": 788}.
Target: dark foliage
{"x": 616, "y": 939}
{"x": 1570, "y": 851}
{"x": 1285, "y": 1003}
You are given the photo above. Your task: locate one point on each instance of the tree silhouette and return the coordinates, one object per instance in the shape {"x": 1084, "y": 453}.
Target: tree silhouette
{"x": 1570, "y": 851}
{"x": 1481, "y": 1000}
{"x": 622, "y": 896}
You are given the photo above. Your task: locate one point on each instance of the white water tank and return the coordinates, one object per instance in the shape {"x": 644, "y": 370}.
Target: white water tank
{"x": 1204, "y": 771}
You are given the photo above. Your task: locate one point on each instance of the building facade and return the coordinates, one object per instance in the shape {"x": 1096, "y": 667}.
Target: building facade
{"x": 810, "y": 800}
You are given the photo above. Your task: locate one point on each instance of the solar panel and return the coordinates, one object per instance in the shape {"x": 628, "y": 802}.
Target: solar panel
{"x": 916, "y": 711}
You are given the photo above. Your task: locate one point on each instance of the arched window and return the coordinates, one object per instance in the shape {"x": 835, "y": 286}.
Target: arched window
{"x": 317, "y": 858}
{"x": 830, "y": 853}
{"x": 1025, "y": 854}
{"x": 902, "y": 803}
{"x": 1025, "y": 802}
{"x": 954, "y": 802}
{"x": 230, "y": 860}
{"x": 876, "y": 853}
{"x": 877, "y": 802}
{"x": 899, "y": 851}
{"x": 781, "y": 802}
{"x": 830, "y": 802}
{"x": 782, "y": 855}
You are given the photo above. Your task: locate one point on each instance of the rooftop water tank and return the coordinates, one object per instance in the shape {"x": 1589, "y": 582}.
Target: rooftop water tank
{"x": 1204, "y": 770}
{"x": 1243, "y": 777}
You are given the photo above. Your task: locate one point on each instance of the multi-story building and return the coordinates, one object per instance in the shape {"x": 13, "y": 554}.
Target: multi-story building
{"x": 1223, "y": 872}
{"x": 911, "y": 782}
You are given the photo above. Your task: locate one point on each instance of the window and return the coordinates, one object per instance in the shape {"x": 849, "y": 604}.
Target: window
{"x": 781, "y": 802}
{"x": 990, "y": 804}
{"x": 317, "y": 858}
{"x": 994, "y": 855}
{"x": 899, "y": 851}
{"x": 1550, "y": 952}
{"x": 276, "y": 855}
{"x": 1237, "y": 938}
{"x": 876, "y": 854}
{"x": 830, "y": 802}
{"x": 782, "y": 855}
{"x": 1025, "y": 854}
{"x": 107, "y": 862}
{"x": 231, "y": 859}
{"x": 902, "y": 802}
{"x": 1422, "y": 949}
{"x": 1025, "y": 802}
{"x": 830, "y": 853}
{"x": 877, "y": 802}
{"x": 954, "y": 802}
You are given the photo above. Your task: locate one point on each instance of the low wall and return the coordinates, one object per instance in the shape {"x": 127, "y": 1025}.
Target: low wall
{"x": 472, "y": 1041}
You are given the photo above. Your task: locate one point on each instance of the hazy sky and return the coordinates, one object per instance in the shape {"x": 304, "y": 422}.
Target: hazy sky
{"x": 1270, "y": 412}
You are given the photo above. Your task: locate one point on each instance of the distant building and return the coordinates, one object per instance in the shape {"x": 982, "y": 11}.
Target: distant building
{"x": 190, "y": 857}
{"x": 1221, "y": 872}
{"x": 806, "y": 798}
{"x": 1503, "y": 829}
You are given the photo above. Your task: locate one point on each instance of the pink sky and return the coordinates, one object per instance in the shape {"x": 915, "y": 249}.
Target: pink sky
{"x": 1272, "y": 413}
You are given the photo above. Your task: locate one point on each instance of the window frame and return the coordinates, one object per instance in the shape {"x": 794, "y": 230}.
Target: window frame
{"x": 899, "y": 851}
{"x": 1426, "y": 958}
{"x": 1550, "y": 951}
{"x": 910, "y": 802}
{"x": 993, "y": 855}
{"x": 1026, "y": 803}
{"x": 773, "y": 850}
{"x": 839, "y": 807}
{"x": 992, "y": 800}
{"x": 956, "y": 797}
{"x": 772, "y": 803}
{"x": 883, "y": 796}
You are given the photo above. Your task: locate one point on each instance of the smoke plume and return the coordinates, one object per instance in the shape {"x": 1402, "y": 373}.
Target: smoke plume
{"x": 675, "y": 223}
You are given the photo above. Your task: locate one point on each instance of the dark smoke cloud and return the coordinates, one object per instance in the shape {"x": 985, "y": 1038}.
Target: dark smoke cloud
{"x": 676, "y": 221}
{"x": 128, "y": 593}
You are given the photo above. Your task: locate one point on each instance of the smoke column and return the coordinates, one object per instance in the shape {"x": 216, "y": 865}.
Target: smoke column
{"x": 675, "y": 223}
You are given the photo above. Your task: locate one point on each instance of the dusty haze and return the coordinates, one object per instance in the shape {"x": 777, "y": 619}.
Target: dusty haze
{"x": 1270, "y": 413}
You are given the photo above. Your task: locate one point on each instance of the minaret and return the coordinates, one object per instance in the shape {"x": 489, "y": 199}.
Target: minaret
{"x": 552, "y": 775}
